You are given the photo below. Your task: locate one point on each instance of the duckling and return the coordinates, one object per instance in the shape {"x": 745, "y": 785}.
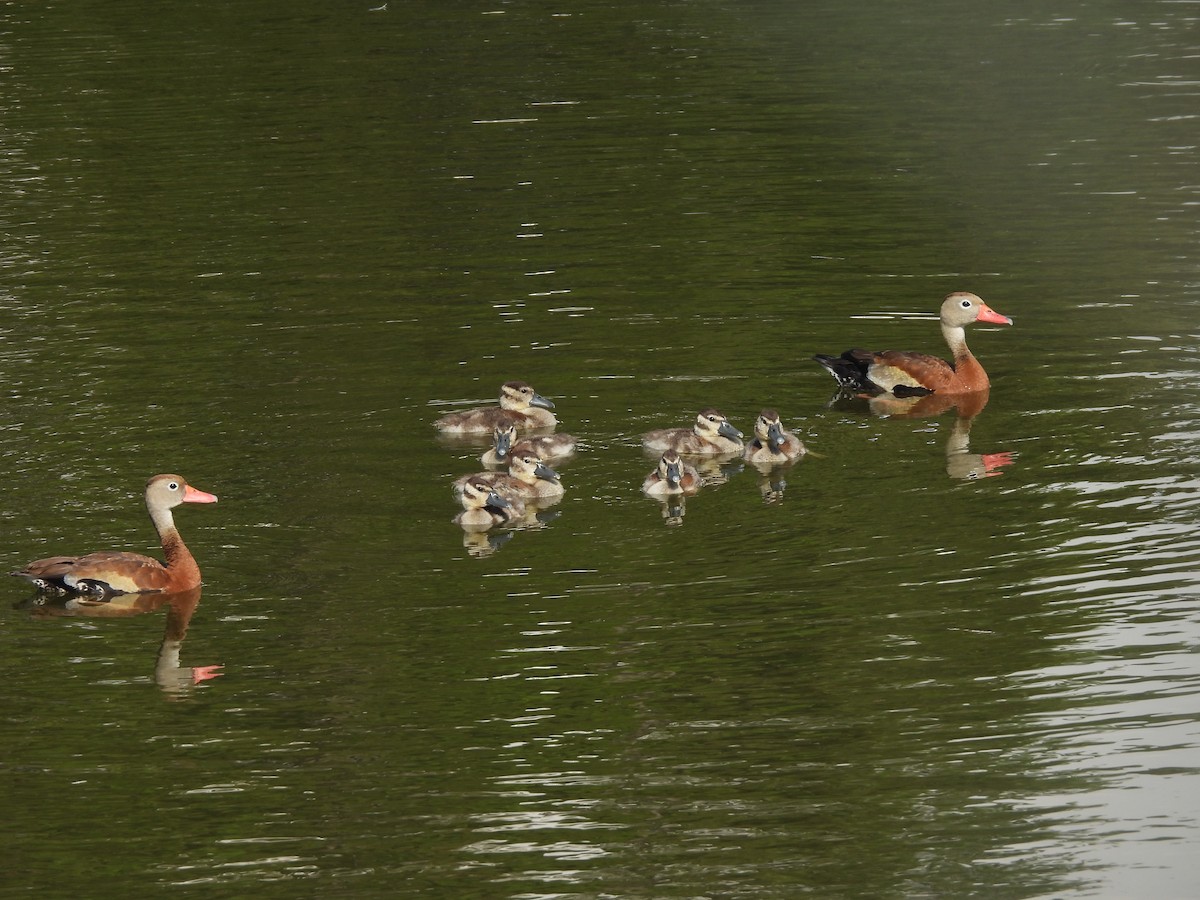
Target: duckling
{"x": 528, "y": 479}
{"x": 771, "y": 443}
{"x": 503, "y": 438}
{"x": 712, "y": 435}
{"x": 545, "y": 446}
{"x": 672, "y": 476}
{"x": 483, "y": 507}
{"x": 520, "y": 406}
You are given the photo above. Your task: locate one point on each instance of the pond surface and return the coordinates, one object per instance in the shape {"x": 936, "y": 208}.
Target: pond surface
{"x": 265, "y": 245}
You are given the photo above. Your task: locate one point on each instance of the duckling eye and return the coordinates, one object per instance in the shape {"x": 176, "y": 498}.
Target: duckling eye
{"x": 712, "y": 418}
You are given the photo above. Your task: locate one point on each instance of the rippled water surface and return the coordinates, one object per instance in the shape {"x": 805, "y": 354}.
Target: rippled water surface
{"x": 265, "y": 245}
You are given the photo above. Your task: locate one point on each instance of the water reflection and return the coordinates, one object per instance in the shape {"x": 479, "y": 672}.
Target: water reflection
{"x": 169, "y": 672}
{"x": 961, "y": 463}
{"x": 484, "y": 540}
{"x": 771, "y": 481}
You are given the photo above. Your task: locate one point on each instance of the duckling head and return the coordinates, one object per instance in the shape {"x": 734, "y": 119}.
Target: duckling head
{"x": 479, "y": 494}
{"x": 710, "y": 423}
{"x": 519, "y": 396}
{"x": 528, "y": 467}
{"x": 769, "y": 429}
{"x": 670, "y": 469}
{"x": 503, "y": 437}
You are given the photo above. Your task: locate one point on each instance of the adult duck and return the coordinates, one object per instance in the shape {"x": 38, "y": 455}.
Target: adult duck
{"x": 520, "y": 406}
{"x": 109, "y": 572}
{"x": 772, "y": 445}
{"x": 712, "y": 435}
{"x": 907, "y": 374}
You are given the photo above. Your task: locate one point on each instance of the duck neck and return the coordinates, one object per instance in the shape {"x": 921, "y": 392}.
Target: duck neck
{"x": 178, "y": 557}
{"x": 956, "y": 340}
{"x": 970, "y": 374}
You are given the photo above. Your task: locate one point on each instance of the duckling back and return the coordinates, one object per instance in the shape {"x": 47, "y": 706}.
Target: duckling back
{"x": 547, "y": 446}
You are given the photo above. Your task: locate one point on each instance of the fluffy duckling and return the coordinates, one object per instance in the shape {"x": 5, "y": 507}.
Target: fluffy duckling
{"x": 520, "y": 406}
{"x": 528, "y": 479}
{"x": 712, "y": 435}
{"x": 771, "y": 444}
{"x": 672, "y": 476}
{"x": 545, "y": 446}
{"x": 483, "y": 507}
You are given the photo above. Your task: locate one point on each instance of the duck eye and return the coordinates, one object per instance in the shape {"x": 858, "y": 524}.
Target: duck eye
{"x": 173, "y": 486}
{"x": 966, "y": 304}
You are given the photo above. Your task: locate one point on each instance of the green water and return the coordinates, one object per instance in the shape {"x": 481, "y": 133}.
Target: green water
{"x": 266, "y": 245}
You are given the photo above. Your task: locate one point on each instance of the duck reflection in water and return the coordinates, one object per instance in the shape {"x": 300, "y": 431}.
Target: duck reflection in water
{"x": 169, "y": 673}
{"x": 961, "y": 463}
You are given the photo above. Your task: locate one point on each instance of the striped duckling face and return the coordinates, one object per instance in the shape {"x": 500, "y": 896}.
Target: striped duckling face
{"x": 519, "y": 396}
{"x": 478, "y": 494}
{"x": 503, "y": 439}
{"x": 710, "y": 424}
{"x": 529, "y": 468}
{"x": 769, "y": 430}
{"x": 670, "y": 469}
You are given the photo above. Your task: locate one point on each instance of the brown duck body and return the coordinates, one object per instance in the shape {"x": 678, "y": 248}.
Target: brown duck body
{"x": 119, "y": 572}
{"x": 520, "y": 406}
{"x": 905, "y": 373}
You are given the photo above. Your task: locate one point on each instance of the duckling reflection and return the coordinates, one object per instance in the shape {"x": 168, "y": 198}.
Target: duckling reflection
{"x": 674, "y": 507}
{"x": 961, "y": 463}
{"x": 169, "y": 673}
{"x": 672, "y": 476}
{"x": 528, "y": 479}
{"x": 520, "y": 406}
{"x": 711, "y": 435}
{"x": 547, "y": 447}
{"x": 717, "y": 470}
{"x": 484, "y": 543}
